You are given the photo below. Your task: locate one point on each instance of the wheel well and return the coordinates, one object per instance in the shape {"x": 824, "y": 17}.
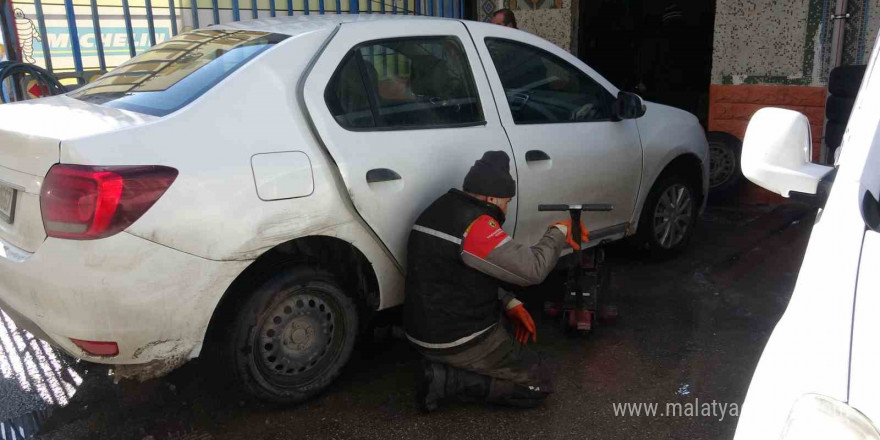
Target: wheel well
{"x": 689, "y": 167}
{"x": 339, "y": 257}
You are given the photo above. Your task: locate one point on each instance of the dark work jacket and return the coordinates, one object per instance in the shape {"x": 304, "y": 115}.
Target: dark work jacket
{"x": 445, "y": 299}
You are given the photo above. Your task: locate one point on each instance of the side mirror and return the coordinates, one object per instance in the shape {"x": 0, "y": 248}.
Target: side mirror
{"x": 776, "y": 156}
{"x": 629, "y": 106}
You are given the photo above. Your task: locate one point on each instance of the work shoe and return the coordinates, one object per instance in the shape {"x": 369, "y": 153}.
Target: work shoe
{"x": 504, "y": 392}
{"x": 430, "y": 386}
{"x": 467, "y": 385}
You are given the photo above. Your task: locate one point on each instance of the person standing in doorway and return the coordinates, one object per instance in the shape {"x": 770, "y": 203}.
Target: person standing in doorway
{"x": 504, "y": 17}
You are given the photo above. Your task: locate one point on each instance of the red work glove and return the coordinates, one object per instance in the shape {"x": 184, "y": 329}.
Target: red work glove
{"x": 585, "y": 234}
{"x": 523, "y": 324}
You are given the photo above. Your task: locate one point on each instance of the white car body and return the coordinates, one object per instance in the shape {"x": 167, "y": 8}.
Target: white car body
{"x": 825, "y": 343}
{"x": 245, "y": 150}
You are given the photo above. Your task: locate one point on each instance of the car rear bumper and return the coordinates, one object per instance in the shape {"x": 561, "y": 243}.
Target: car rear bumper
{"x": 153, "y": 301}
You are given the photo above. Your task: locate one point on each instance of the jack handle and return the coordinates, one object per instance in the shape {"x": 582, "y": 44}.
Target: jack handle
{"x": 594, "y": 207}
{"x": 575, "y": 212}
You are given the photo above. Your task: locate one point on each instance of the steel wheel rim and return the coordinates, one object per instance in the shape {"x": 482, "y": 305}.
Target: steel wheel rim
{"x": 298, "y": 337}
{"x": 722, "y": 164}
{"x": 672, "y": 215}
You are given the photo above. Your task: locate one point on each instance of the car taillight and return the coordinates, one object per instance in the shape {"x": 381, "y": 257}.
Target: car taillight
{"x": 80, "y": 202}
{"x": 97, "y": 348}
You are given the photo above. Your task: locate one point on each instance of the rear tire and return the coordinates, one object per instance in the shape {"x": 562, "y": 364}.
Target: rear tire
{"x": 725, "y": 174}
{"x": 293, "y": 336}
{"x": 668, "y": 217}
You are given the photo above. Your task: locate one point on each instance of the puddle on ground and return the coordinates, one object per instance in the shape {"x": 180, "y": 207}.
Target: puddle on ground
{"x": 683, "y": 390}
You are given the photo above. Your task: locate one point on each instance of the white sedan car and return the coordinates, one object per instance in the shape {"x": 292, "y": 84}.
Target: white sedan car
{"x": 258, "y": 181}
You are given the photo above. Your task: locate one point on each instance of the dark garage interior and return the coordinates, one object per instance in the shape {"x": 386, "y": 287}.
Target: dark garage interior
{"x": 661, "y": 50}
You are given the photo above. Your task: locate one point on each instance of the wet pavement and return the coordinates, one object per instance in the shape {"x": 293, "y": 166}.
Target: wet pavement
{"x": 690, "y": 332}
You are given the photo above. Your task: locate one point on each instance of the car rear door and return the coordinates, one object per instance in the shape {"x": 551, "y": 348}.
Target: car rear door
{"x": 558, "y": 115}
{"x": 404, "y": 107}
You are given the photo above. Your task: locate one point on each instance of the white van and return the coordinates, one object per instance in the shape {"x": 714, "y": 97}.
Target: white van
{"x": 818, "y": 377}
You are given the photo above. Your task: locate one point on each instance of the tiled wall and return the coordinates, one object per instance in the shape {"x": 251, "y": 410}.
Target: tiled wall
{"x": 787, "y": 41}
{"x": 553, "y": 25}
{"x": 860, "y": 30}
{"x": 763, "y": 38}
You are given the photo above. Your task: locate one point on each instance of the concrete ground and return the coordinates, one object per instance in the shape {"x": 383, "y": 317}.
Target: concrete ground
{"x": 690, "y": 332}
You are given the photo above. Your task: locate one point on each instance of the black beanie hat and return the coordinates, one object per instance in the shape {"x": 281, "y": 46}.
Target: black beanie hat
{"x": 490, "y": 176}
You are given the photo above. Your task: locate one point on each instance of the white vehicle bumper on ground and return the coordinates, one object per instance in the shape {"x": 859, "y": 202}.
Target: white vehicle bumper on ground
{"x": 154, "y": 302}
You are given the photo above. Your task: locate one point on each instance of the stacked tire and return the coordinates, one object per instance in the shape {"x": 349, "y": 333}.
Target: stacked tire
{"x": 843, "y": 86}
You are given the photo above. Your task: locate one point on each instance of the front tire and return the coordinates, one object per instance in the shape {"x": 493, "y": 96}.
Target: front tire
{"x": 293, "y": 336}
{"x": 668, "y": 217}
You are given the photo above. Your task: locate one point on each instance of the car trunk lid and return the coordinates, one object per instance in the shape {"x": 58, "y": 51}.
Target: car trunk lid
{"x": 32, "y": 134}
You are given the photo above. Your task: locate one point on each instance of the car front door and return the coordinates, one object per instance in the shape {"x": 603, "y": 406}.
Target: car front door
{"x": 558, "y": 116}
{"x": 404, "y": 111}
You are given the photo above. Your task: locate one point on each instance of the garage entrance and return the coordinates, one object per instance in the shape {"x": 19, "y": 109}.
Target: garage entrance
{"x": 661, "y": 50}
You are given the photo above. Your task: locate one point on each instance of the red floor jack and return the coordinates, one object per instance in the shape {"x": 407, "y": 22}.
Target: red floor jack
{"x": 583, "y": 304}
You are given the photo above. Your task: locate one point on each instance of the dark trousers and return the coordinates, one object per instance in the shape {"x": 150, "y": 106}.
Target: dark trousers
{"x": 496, "y": 368}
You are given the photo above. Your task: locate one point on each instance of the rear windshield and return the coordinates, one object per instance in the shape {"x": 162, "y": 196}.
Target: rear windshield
{"x": 174, "y": 73}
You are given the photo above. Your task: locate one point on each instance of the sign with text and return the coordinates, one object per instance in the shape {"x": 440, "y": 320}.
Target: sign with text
{"x": 113, "y": 34}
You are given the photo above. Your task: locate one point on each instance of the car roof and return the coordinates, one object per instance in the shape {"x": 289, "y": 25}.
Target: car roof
{"x": 300, "y": 24}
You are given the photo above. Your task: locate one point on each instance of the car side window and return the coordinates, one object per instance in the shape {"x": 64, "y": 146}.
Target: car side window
{"x": 542, "y": 88}
{"x": 405, "y": 83}
{"x": 347, "y": 97}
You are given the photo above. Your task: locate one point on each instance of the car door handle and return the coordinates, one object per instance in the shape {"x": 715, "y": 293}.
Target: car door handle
{"x": 536, "y": 155}
{"x": 382, "y": 175}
